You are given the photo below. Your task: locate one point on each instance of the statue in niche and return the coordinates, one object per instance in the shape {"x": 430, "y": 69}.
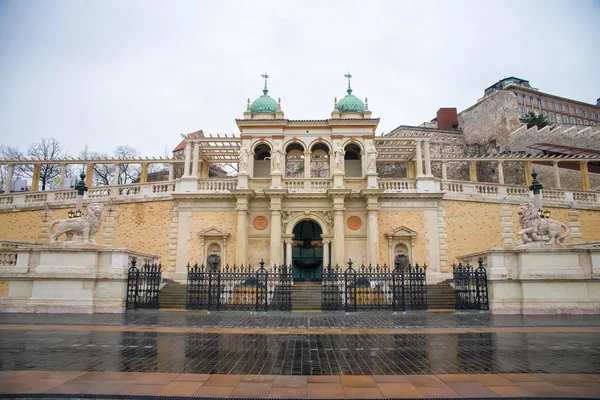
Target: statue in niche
{"x": 244, "y": 154}
{"x": 276, "y": 157}
{"x": 537, "y": 230}
{"x": 80, "y": 230}
{"x": 372, "y": 158}
{"x": 339, "y": 158}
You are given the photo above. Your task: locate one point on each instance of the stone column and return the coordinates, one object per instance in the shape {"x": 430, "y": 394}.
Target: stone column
{"x": 427, "y": 159}
{"x": 9, "y": 174}
{"x": 410, "y": 170}
{"x": 528, "y": 170}
{"x": 307, "y": 158}
{"x": 585, "y": 176}
{"x": 144, "y": 174}
{"x": 419, "y": 159}
{"x": 473, "y": 171}
{"x": 288, "y": 252}
{"x": 275, "y": 247}
{"x": 195, "y": 160}
{"x": 556, "y": 174}
{"x": 188, "y": 159}
{"x": 170, "y": 172}
{"x": 117, "y": 172}
{"x": 35, "y": 179}
{"x": 500, "y": 172}
{"x": 339, "y": 255}
{"x": 444, "y": 170}
{"x": 326, "y": 253}
{"x": 372, "y": 231}
{"x": 89, "y": 175}
{"x": 63, "y": 174}
{"x": 242, "y": 231}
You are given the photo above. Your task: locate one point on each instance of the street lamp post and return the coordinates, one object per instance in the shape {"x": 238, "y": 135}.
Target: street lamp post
{"x": 536, "y": 187}
{"x": 81, "y": 189}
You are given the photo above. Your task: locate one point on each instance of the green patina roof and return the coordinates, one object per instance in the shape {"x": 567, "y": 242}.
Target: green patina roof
{"x": 350, "y": 103}
{"x": 264, "y": 104}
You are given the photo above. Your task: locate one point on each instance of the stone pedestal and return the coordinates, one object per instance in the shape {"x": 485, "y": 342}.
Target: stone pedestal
{"x": 188, "y": 184}
{"x": 426, "y": 184}
{"x": 68, "y": 280}
{"x": 553, "y": 280}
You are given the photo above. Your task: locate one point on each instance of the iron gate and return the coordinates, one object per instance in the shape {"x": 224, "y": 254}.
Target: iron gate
{"x": 470, "y": 287}
{"x": 239, "y": 288}
{"x": 374, "y": 288}
{"x": 143, "y": 286}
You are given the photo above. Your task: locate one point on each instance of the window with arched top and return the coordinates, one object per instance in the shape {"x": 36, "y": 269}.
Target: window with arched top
{"x": 352, "y": 161}
{"x": 319, "y": 161}
{"x": 294, "y": 161}
{"x": 262, "y": 161}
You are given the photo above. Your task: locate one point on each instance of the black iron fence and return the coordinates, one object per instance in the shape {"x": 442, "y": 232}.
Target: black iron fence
{"x": 374, "y": 288}
{"x": 239, "y": 288}
{"x": 470, "y": 287}
{"x": 143, "y": 286}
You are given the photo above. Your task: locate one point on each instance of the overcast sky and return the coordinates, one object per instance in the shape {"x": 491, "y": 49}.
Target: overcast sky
{"x": 140, "y": 73}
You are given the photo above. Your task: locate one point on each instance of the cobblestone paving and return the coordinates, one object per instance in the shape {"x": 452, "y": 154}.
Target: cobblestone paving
{"x": 305, "y": 320}
{"x": 300, "y": 354}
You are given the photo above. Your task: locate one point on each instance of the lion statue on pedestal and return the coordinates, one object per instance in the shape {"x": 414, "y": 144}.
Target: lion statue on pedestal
{"x": 79, "y": 230}
{"x": 535, "y": 227}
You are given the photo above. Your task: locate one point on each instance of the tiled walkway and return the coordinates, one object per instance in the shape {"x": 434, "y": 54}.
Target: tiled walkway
{"x": 301, "y": 356}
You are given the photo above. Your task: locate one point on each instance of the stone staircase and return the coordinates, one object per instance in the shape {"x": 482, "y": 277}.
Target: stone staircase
{"x": 441, "y": 296}
{"x": 306, "y": 296}
{"x": 172, "y": 296}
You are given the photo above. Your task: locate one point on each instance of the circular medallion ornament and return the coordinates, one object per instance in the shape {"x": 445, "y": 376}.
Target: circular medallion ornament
{"x": 260, "y": 223}
{"x": 354, "y": 223}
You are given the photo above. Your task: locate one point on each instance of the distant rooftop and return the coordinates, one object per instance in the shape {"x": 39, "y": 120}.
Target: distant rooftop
{"x": 502, "y": 83}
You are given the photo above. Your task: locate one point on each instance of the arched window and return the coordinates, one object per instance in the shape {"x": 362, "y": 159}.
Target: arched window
{"x": 262, "y": 161}
{"x": 352, "y": 161}
{"x": 319, "y": 161}
{"x": 294, "y": 161}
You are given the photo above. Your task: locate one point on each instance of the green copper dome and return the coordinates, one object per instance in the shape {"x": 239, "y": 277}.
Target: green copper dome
{"x": 264, "y": 105}
{"x": 350, "y": 103}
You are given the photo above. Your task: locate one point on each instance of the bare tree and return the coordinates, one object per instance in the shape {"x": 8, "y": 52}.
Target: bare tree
{"x": 128, "y": 173}
{"x": 10, "y": 153}
{"x": 103, "y": 173}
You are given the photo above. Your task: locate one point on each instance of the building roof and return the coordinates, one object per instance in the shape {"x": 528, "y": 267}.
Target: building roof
{"x": 193, "y": 135}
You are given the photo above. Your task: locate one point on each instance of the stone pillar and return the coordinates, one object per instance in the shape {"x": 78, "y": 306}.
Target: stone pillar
{"x": 500, "y": 172}
{"x": 410, "y": 170}
{"x": 170, "y": 172}
{"x": 419, "y": 159}
{"x": 242, "y": 231}
{"x": 473, "y": 171}
{"x": 339, "y": 254}
{"x": 528, "y": 170}
{"x": 372, "y": 231}
{"x": 63, "y": 174}
{"x": 556, "y": 174}
{"x": 144, "y": 174}
{"x": 89, "y": 175}
{"x": 275, "y": 246}
{"x": 288, "y": 252}
{"x": 117, "y": 172}
{"x": 9, "y": 174}
{"x": 444, "y": 170}
{"x": 195, "y": 160}
{"x": 427, "y": 159}
{"x": 35, "y": 179}
{"x": 307, "y": 158}
{"x": 188, "y": 159}
{"x": 326, "y": 253}
{"x": 585, "y": 176}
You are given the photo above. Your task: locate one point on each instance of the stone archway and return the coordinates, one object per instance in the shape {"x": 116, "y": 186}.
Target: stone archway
{"x": 306, "y": 251}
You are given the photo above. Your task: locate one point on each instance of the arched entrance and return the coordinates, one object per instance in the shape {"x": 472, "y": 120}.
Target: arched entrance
{"x": 307, "y": 252}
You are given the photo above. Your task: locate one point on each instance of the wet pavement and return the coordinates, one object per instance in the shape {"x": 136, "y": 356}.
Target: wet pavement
{"x": 276, "y": 320}
{"x": 323, "y": 354}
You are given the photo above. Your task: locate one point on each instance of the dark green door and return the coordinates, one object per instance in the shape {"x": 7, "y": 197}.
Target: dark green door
{"x": 307, "y": 252}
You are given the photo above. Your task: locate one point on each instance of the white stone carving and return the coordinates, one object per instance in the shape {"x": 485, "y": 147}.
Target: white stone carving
{"x": 339, "y": 158}
{"x": 371, "y": 158}
{"x": 81, "y": 230}
{"x": 537, "y": 230}
{"x": 276, "y": 157}
{"x": 244, "y": 154}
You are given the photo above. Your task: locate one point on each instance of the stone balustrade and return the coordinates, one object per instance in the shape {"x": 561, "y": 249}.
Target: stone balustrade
{"x": 217, "y": 185}
{"x": 311, "y": 185}
{"x": 394, "y": 185}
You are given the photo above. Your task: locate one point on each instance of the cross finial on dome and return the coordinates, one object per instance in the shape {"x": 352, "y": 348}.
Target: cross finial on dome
{"x": 266, "y": 76}
{"x": 366, "y": 103}
{"x": 248, "y": 106}
{"x": 348, "y": 75}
